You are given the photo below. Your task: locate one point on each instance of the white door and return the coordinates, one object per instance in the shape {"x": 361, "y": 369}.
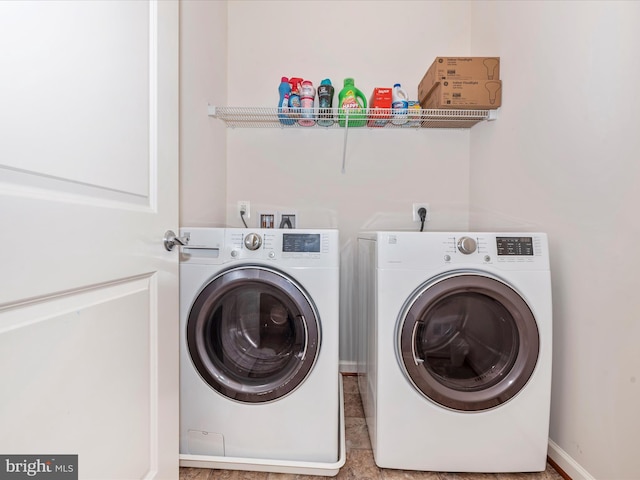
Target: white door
{"x": 88, "y": 186}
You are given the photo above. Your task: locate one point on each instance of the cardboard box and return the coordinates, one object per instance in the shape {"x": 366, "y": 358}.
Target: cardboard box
{"x": 465, "y": 94}
{"x": 458, "y": 68}
{"x": 380, "y": 100}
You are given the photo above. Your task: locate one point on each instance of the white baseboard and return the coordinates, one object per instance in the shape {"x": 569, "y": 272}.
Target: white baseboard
{"x": 348, "y": 366}
{"x": 567, "y": 463}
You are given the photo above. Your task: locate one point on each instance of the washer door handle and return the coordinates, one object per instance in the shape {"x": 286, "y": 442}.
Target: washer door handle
{"x": 306, "y": 336}
{"x": 414, "y": 334}
{"x": 171, "y": 240}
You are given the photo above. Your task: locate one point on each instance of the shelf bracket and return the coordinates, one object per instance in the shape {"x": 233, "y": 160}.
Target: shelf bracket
{"x": 344, "y": 147}
{"x": 211, "y": 110}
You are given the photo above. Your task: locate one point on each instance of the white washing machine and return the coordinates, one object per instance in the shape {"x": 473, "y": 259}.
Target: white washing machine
{"x": 259, "y": 377}
{"x": 455, "y": 351}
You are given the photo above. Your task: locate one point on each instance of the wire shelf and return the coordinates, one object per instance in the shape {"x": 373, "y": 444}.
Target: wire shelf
{"x": 264, "y": 117}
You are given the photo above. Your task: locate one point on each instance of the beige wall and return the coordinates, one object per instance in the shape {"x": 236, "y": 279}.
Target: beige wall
{"x": 563, "y": 158}
{"x": 385, "y": 171}
{"x": 560, "y": 158}
{"x": 203, "y": 80}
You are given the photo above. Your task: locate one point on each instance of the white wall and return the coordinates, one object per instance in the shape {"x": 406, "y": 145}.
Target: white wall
{"x": 563, "y": 158}
{"x": 386, "y": 170}
{"x": 203, "y": 65}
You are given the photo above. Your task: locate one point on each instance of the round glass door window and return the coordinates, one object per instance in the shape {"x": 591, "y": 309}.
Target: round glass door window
{"x": 468, "y": 342}
{"x": 253, "y": 335}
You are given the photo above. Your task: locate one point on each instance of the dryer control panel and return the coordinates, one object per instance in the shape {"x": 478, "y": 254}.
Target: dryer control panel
{"x": 432, "y": 250}
{"x": 514, "y": 246}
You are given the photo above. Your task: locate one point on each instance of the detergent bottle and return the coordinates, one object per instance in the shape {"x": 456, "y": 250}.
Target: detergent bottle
{"x": 352, "y": 105}
{"x": 294, "y": 97}
{"x": 307, "y": 98}
{"x": 325, "y": 102}
{"x": 283, "y": 104}
{"x": 399, "y": 105}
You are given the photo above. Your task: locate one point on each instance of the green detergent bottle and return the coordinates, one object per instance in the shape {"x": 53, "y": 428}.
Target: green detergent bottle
{"x": 352, "y": 100}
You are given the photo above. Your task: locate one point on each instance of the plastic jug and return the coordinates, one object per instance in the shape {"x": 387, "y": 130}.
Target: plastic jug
{"x": 283, "y": 104}
{"x": 325, "y": 103}
{"x": 352, "y": 105}
{"x": 307, "y": 97}
{"x": 399, "y": 105}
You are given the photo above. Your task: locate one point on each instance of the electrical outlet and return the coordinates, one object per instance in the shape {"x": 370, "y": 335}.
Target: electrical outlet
{"x": 418, "y": 206}
{"x": 244, "y": 206}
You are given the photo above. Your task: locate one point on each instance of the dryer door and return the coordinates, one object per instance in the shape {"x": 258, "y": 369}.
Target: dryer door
{"x": 253, "y": 334}
{"x": 468, "y": 342}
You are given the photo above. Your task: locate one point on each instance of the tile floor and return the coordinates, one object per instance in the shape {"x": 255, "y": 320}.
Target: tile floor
{"x": 360, "y": 464}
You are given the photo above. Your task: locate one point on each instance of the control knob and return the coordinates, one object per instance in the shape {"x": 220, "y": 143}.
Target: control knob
{"x": 467, "y": 245}
{"x": 252, "y": 241}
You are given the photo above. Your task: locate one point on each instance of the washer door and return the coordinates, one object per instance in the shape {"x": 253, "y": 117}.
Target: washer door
{"x": 253, "y": 335}
{"x": 467, "y": 341}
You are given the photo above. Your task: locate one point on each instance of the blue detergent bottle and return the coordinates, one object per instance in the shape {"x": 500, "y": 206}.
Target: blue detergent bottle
{"x": 283, "y": 105}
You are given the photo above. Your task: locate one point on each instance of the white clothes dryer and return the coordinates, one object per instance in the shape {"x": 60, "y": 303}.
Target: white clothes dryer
{"x": 259, "y": 376}
{"x": 455, "y": 352}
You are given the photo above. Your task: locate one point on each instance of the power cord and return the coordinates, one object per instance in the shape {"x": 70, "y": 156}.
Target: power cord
{"x": 242, "y": 212}
{"x": 422, "y": 213}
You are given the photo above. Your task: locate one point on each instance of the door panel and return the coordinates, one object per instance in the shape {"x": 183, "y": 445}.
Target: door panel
{"x": 83, "y": 71}
{"x": 88, "y": 186}
{"x": 66, "y": 353}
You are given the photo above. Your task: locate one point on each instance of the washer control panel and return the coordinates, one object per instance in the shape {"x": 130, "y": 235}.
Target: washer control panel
{"x": 301, "y": 243}
{"x": 289, "y": 247}
{"x": 281, "y": 245}
{"x": 252, "y": 241}
{"x": 467, "y": 245}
